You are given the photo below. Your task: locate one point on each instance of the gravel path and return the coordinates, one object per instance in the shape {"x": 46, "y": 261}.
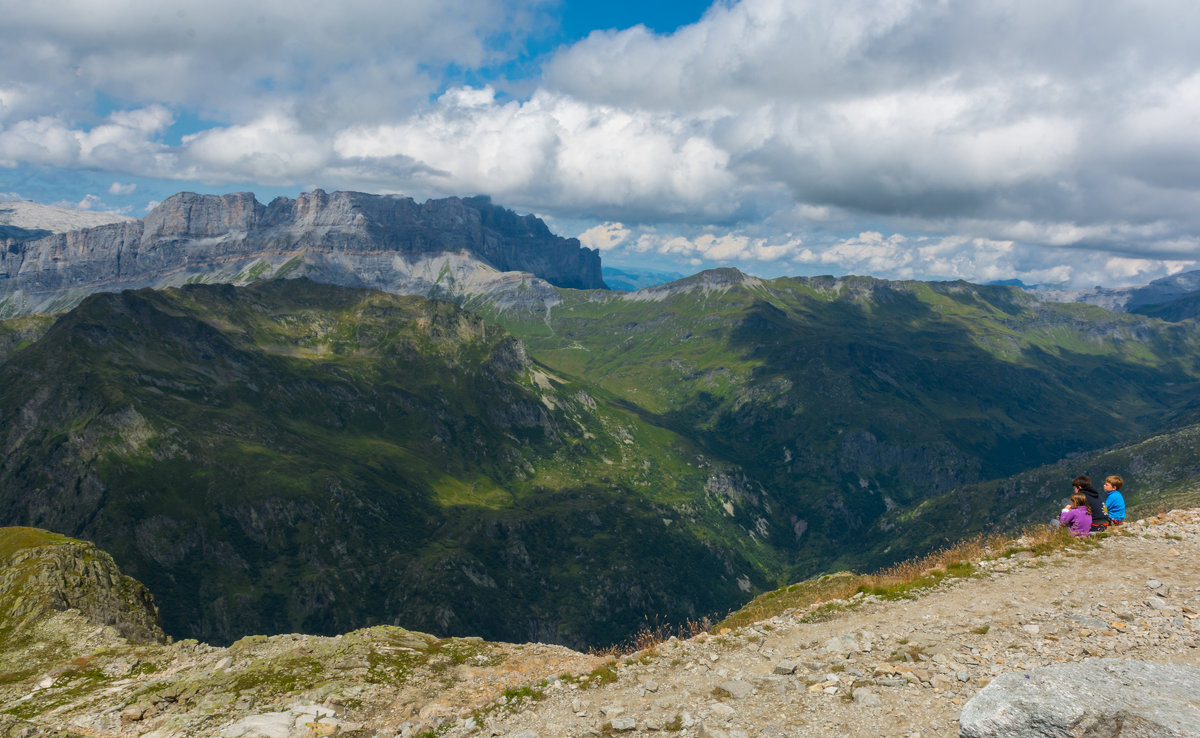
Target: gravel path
{"x": 895, "y": 668}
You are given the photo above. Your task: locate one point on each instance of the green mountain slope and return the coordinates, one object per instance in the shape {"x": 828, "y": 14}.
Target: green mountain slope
{"x": 1184, "y": 307}
{"x": 849, "y": 400}
{"x": 294, "y": 456}
{"x": 17, "y": 333}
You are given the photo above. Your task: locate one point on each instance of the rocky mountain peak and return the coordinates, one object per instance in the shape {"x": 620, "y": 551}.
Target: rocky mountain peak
{"x": 706, "y": 282}
{"x": 189, "y": 215}
{"x": 447, "y": 248}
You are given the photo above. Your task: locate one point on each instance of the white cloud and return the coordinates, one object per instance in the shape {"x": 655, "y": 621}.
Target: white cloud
{"x": 270, "y": 149}
{"x": 124, "y": 142}
{"x": 92, "y": 202}
{"x": 604, "y": 236}
{"x": 89, "y": 202}
{"x": 116, "y": 188}
{"x": 985, "y": 141}
{"x": 711, "y": 248}
{"x": 1124, "y": 268}
{"x": 335, "y": 62}
{"x": 12, "y": 100}
{"x": 557, "y": 151}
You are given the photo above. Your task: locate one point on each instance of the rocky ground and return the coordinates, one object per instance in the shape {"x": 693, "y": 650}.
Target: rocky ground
{"x": 862, "y": 667}
{"x": 898, "y": 668}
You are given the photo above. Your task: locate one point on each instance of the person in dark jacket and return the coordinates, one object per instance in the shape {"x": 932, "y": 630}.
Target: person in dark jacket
{"x": 1095, "y": 503}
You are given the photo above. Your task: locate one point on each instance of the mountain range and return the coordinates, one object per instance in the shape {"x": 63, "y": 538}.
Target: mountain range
{"x": 1176, "y": 297}
{"x": 440, "y": 247}
{"x": 532, "y": 461}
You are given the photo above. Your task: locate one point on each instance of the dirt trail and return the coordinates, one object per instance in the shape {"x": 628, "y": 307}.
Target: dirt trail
{"x": 898, "y": 668}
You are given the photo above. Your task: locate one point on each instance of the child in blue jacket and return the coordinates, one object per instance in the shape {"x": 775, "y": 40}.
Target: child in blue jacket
{"x": 1114, "y": 504}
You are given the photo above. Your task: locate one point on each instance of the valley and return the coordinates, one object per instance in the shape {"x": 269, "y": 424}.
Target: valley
{"x": 493, "y": 455}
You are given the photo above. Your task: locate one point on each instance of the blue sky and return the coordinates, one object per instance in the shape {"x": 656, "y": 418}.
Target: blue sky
{"x": 899, "y": 138}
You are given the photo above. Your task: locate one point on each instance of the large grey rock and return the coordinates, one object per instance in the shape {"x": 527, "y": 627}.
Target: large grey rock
{"x": 737, "y": 688}
{"x": 297, "y": 720}
{"x": 1097, "y": 698}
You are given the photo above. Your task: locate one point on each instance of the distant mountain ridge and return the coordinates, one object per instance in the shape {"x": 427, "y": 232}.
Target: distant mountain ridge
{"x": 1173, "y": 298}
{"x": 387, "y": 242}
{"x": 631, "y": 279}
{"x": 22, "y": 220}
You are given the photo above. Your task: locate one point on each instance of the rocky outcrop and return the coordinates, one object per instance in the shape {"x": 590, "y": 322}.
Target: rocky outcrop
{"x": 448, "y": 247}
{"x": 1102, "y": 697}
{"x": 43, "y": 572}
{"x": 66, "y": 673}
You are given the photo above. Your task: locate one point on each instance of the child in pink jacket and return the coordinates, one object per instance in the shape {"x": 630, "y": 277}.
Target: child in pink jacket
{"x": 1077, "y": 516}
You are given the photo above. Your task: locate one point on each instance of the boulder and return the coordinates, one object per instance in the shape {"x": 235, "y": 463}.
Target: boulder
{"x": 1097, "y": 698}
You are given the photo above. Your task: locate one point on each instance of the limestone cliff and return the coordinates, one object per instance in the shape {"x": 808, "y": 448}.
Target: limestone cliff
{"x": 448, "y": 247}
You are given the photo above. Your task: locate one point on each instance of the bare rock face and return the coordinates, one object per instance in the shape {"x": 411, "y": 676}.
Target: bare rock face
{"x": 446, "y": 248}
{"x": 1098, "y": 698}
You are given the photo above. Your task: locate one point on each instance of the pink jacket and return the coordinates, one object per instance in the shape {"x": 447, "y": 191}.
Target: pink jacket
{"x": 1080, "y": 520}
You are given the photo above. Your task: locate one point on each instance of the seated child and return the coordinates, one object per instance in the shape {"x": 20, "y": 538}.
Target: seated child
{"x": 1077, "y": 516}
{"x": 1115, "y": 502}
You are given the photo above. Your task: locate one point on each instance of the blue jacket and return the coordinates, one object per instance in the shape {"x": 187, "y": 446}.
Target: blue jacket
{"x": 1115, "y": 505}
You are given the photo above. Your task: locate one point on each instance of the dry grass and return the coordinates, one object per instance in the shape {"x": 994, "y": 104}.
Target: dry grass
{"x": 801, "y": 595}
{"x": 977, "y": 548}
{"x": 650, "y": 637}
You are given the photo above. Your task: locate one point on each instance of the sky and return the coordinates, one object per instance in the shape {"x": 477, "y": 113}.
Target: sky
{"x": 1052, "y": 141}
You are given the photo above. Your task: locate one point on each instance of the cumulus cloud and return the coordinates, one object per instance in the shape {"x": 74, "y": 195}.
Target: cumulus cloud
{"x": 123, "y": 142}
{"x": 979, "y": 120}
{"x": 116, "y": 188}
{"x": 895, "y": 137}
{"x": 270, "y": 149}
{"x": 91, "y": 202}
{"x": 700, "y": 247}
{"x": 559, "y": 152}
{"x": 605, "y": 236}
{"x": 335, "y": 61}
